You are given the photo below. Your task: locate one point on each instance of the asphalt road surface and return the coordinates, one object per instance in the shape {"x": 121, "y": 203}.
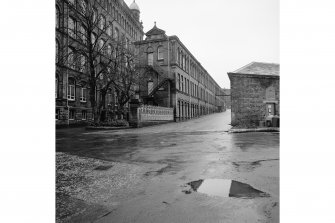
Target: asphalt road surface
{"x": 165, "y": 158}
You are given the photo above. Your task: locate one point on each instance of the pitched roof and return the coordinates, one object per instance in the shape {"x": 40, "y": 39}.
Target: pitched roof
{"x": 155, "y": 31}
{"x": 258, "y": 68}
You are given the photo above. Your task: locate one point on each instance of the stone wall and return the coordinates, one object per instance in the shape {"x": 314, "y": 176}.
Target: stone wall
{"x": 249, "y": 97}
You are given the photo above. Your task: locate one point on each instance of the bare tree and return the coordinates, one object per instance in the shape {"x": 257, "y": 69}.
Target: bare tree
{"x": 102, "y": 60}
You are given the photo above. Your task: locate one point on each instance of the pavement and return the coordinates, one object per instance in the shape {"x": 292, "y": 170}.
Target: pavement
{"x": 140, "y": 175}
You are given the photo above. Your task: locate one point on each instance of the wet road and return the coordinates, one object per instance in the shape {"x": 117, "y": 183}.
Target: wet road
{"x": 178, "y": 154}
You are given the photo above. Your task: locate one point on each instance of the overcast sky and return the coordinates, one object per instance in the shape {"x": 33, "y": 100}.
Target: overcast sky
{"x": 223, "y": 35}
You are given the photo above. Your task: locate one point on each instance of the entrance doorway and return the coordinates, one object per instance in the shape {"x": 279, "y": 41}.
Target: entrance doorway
{"x": 270, "y": 109}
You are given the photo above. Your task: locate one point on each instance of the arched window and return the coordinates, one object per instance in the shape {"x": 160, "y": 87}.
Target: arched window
{"x": 71, "y": 58}
{"x": 57, "y": 51}
{"x": 101, "y": 43}
{"x": 178, "y": 55}
{"x": 109, "y": 49}
{"x": 83, "y": 33}
{"x": 71, "y": 91}
{"x": 57, "y": 17}
{"x": 93, "y": 38}
{"x": 150, "y": 53}
{"x": 83, "y": 63}
{"x": 110, "y": 30}
{"x": 56, "y": 87}
{"x": 160, "y": 55}
{"x": 102, "y": 22}
{"x": 72, "y": 27}
{"x": 95, "y": 14}
{"x": 150, "y": 84}
{"x": 116, "y": 34}
{"x": 83, "y": 6}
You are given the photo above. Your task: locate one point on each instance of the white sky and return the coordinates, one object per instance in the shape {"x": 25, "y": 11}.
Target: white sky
{"x": 223, "y": 35}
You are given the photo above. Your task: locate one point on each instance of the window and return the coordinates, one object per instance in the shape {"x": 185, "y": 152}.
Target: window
{"x": 102, "y": 22}
{"x": 57, "y": 17}
{"x": 83, "y": 6}
{"x": 71, "y": 63}
{"x": 110, "y": 30}
{"x": 178, "y": 56}
{"x": 150, "y": 59}
{"x": 178, "y": 81}
{"x": 83, "y": 33}
{"x": 93, "y": 38}
{"x": 150, "y": 86}
{"x": 109, "y": 49}
{"x": 57, "y": 114}
{"x": 56, "y": 87}
{"x": 83, "y": 93}
{"x": 116, "y": 34}
{"x": 101, "y": 44}
{"x": 127, "y": 43}
{"x": 57, "y": 51}
{"x": 95, "y": 13}
{"x": 82, "y": 63}
{"x": 72, "y": 114}
{"x": 160, "y": 53}
{"x": 71, "y": 90}
{"x": 72, "y": 27}
{"x": 83, "y": 115}
{"x": 182, "y": 83}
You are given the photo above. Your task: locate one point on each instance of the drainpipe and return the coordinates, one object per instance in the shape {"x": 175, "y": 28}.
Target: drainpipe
{"x": 67, "y": 64}
{"x": 169, "y": 73}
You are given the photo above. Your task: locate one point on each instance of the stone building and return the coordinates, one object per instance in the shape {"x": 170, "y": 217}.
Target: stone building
{"x": 72, "y": 102}
{"x": 173, "y": 77}
{"x": 170, "y": 75}
{"x": 254, "y": 94}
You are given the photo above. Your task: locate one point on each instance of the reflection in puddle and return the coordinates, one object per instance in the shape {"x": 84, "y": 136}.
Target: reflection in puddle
{"x": 225, "y": 188}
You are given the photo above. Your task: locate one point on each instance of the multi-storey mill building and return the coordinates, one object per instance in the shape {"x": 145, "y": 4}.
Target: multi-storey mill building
{"x": 72, "y": 103}
{"x": 173, "y": 77}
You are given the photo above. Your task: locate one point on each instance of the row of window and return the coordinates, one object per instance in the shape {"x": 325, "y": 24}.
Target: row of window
{"x": 150, "y": 55}
{"x": 190, "y": 67}
{"x": 71, "y": 91}
{"x": 72, "y": 114}
{"x": 186, "y": 86}
{"x": 83, "y": 92}
{"x": 186, "y": 109}
{"x": 78, "y": 32}
{"x": 81, "y": 5}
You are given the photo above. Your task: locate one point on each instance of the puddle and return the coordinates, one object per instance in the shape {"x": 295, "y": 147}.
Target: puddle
{"x": 224, "y": 188}
{"x": 107, "y": 167}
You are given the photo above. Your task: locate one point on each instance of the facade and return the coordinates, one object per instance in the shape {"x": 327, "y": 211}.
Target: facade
{"x": 72, "y": 102}
{"x": 254, "y": 94}
{"x": 170, "y": 76}
{"x": 173, "y": 77}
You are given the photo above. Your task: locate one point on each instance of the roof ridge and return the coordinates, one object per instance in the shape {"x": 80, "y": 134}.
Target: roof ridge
{"x": 236, "y": 71}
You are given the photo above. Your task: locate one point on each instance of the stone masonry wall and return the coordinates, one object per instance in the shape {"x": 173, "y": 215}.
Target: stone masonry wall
{"x": 248, "y": 96}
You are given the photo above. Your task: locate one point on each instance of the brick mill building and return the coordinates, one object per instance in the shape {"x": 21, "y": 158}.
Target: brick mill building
{"x": 176, "y": 78}
{"x": 72, "y": 102}
{"x": 170, "y": 75}
{"x": 254, "y": 94}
